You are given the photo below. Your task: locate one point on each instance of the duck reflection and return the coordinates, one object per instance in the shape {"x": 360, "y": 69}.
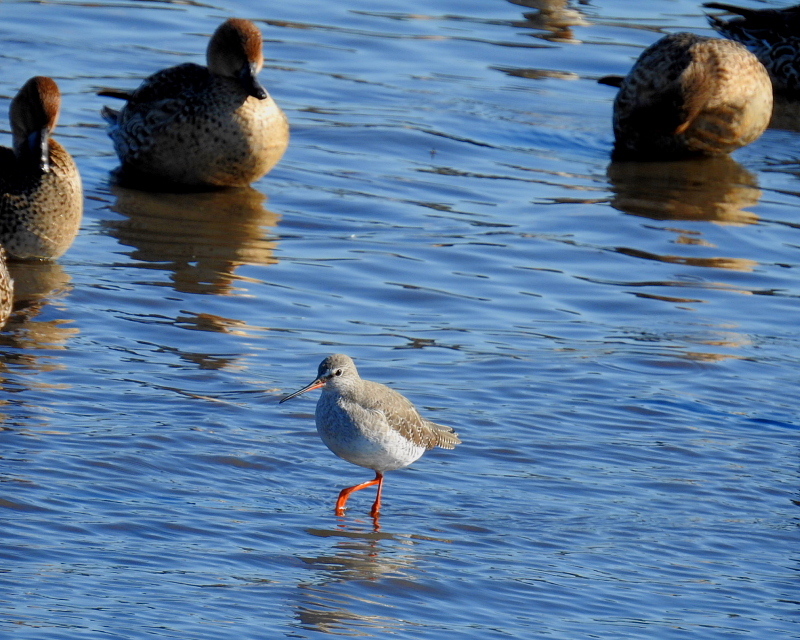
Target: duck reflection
{"x": 725, "y": 344}
{"x": 35, "y": 282}
{"x": 201, "y": 237}
{"x": 552, "y": 21}
{"x": 36, "y": 285}
{"x": 732, "y": 264}
{"x": 328, "y": 605}
{"x": 706, "y": 189}
{"x": 555, "y": 17}
{"x": 712, "y": 189}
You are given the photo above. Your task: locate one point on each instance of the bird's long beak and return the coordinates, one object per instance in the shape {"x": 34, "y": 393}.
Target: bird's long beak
{"x": 314, "y": 385}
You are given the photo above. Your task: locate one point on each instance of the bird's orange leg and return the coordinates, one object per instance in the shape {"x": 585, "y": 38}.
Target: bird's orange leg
{"x": 376, "y": 507}
{"x": 344, "y": 494}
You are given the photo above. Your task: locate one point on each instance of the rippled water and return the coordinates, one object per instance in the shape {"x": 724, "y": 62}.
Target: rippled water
{"x": 615, "y": 343}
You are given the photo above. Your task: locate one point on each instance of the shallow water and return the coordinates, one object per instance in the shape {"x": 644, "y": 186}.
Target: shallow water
{"x": 615, "y": 343}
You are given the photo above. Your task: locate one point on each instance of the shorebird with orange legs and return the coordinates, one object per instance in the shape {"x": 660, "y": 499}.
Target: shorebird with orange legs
{"x": 370, "y": 424}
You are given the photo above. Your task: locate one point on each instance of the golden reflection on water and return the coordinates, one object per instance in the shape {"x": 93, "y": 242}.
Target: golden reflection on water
{"x": 213, "y": 322}
{"x": 703, "y": 356}
{"x": 733, "y": 264}
{"x": 36, "y": 285}
{"x": 712, "y": 189}
{"x": 552, "y": 21}
{"x": 25, "y": 341}
{"x": 553, "y": 16}
{"x": 36, "y": 281}
{"x": 200, "y": 237}
{"x": 723, "y": 339}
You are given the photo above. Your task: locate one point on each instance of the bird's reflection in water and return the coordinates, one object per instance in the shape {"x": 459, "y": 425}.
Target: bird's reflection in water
{"x": 710, "y": 189}
{"x": 200, "y": 237}
{"x": 715, "y": 190}
{"x": 732, "y": 264}
{"x": 27, "y": 342}
{"x": 552, "y": 21}
{"x": 555, "y": 17}
{"x": 330, "y": 603}
{"x": 36, "y": 285}
{"x": 211, "y": 322}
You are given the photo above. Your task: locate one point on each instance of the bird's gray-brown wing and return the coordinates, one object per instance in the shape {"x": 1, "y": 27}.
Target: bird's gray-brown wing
{"x": 170, "y": 84}
{"x": 163, "y": 97}
{"x": 402, "y": 416}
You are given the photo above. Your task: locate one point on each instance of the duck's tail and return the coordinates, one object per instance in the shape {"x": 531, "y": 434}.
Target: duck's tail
{"x": 109, "y": 115}
{"x": 115, "y": 93}
{"x": 612, "y": 81}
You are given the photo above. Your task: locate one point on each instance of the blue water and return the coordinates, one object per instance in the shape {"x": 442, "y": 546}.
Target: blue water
{"x": 615, "y": 344}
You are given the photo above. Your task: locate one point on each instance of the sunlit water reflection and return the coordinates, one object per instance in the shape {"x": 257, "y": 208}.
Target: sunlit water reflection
{"x": 613, "y": 341}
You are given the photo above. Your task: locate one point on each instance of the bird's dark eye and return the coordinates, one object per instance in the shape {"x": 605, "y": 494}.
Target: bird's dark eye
{"x": 338, "y": 372}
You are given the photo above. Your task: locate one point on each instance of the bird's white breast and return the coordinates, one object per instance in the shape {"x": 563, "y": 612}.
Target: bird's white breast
{"x": 361, "y": 435}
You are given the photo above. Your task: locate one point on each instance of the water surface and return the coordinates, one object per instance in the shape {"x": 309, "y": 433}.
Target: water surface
{"x": 615, "y": 343}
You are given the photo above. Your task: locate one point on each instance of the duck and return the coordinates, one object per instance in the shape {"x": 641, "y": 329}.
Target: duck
{"x": 6, "y": 290}
{"x": 773, "y": 35}
{"x": 201, "y": 126}
{"x": 370, "y": 425}
{"x": 687, "y": 96}
{"x": 41, "y": 193}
